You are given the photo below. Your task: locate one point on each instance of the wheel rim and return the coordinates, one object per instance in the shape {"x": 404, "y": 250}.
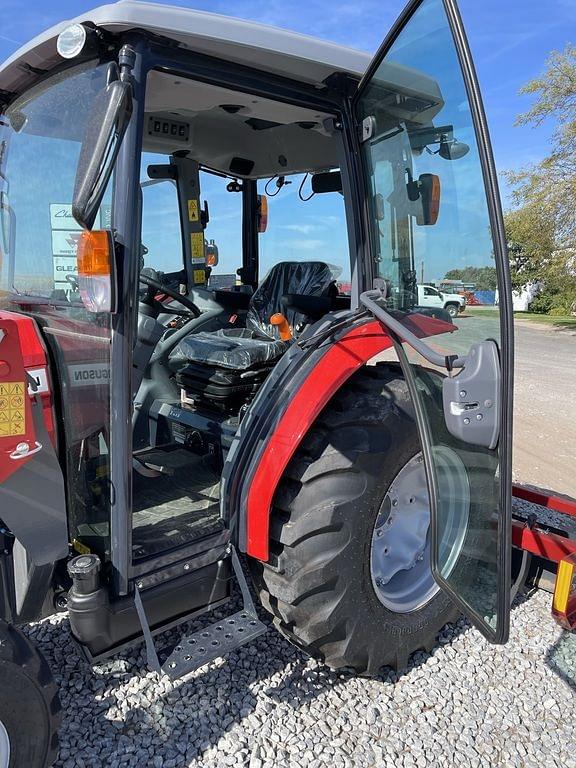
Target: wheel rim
{"x": 400, "y": 564}
{"x": 4, "y": 747}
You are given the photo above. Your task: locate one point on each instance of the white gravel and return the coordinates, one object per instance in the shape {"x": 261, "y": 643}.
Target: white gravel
{"x": 268, "y": 706}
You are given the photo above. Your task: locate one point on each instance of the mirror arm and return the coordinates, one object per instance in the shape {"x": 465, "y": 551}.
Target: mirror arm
{"x": 126, "y": 62}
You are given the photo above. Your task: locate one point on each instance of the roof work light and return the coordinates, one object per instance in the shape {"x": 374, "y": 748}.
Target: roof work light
{"x": 71, "y": 41}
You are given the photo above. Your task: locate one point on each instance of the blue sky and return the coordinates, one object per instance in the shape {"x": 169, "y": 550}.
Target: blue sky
{"x": 510, "y": 40}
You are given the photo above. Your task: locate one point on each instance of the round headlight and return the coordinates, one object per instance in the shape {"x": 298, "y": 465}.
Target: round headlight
{"x": 71, "y": 41}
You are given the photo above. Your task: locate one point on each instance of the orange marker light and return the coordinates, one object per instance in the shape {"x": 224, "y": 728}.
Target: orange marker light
{"x": 564, "y": 601}
{"x": 95, "y": 257}
{"x": 262, "y": 213}
{"x": 284, "y": 329}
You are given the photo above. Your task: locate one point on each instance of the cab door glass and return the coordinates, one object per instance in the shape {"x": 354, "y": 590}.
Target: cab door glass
{"x": 426, "y": 189}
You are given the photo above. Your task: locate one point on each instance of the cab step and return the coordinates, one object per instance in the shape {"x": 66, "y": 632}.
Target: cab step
{"x": 213, "y": 641}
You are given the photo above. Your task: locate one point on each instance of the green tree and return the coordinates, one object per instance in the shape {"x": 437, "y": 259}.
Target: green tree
{"x": 484, "y": 278}
{"x": 531, "y": 243}
{"x": 541, "y": 229}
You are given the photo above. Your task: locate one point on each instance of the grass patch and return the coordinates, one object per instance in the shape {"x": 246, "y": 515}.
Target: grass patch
{"x": 556, "y": 321}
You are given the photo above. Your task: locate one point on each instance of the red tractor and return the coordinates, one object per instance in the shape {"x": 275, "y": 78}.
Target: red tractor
{"x": 175, "y": 412}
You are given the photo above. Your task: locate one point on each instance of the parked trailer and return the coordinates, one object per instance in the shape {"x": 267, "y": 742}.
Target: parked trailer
{"x": 310, "y": 420}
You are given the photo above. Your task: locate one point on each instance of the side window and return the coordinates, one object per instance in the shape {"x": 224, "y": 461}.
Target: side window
{"x": 161, "y": 235}
{"x": 223, "y": 232}
{"x": 429, "y": 292}
{"x": 301, "y": 229}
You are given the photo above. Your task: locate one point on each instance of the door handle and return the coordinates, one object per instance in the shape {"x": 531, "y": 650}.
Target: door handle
{"x": 23, "y": 450}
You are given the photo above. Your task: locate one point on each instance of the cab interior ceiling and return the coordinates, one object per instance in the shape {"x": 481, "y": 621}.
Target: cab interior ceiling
{"x": 236, "y": 133}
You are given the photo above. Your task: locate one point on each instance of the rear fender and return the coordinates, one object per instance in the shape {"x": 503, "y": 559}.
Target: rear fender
{"x": 303, "y": 382}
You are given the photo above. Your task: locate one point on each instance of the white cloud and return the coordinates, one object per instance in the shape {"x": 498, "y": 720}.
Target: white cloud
{"x": 303, "y": 229}
{"x": 300, "y": 245}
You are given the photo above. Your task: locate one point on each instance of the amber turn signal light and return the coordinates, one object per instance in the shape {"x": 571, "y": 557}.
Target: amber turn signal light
{"x": 96, "y": 278}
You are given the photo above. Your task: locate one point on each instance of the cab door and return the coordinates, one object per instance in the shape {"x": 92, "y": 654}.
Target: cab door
{"x": 432, "y": 206}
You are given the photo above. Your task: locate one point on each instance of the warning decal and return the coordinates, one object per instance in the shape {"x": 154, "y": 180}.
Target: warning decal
{"x": 192, "y": 210}
{"x": 197, "y": 243}
{"x": 199, "y": 276}
{"x": 12, "y": 408}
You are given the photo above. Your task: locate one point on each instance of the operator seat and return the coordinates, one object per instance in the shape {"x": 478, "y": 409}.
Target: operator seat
{"x": 259, "y": 341}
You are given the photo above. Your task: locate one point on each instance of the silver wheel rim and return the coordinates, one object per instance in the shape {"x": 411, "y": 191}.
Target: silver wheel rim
{"x": 400, "y": 550}
{"x": 4, "y": 747}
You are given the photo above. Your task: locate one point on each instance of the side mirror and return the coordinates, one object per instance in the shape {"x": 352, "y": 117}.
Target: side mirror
{"x": 453, "y": 149}
{"x": 105, "y": 130}
{"x": 330, "y": 181}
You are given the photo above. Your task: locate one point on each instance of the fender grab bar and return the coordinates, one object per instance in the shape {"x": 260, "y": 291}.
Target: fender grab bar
{"x": 368, "y": 299}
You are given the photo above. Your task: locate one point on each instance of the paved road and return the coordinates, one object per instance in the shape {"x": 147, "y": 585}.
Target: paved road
{"x": 544, "y": 400}
{"x": 545, "y": 396}
{"x": 545, "y": 408}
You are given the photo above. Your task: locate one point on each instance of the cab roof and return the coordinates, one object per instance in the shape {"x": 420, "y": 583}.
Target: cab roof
{"x": 292, "y": 55}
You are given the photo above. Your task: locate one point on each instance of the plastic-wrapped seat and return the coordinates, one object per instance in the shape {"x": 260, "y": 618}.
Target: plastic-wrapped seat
{"x": 224, "y": 368}
{"x": 259, "y": 342}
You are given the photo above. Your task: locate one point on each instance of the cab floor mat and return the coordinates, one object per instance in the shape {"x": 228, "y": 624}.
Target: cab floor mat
{"x": 175, "y": 509}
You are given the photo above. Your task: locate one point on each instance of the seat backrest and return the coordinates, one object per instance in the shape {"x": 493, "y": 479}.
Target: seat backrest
{"x": 307, "y": 278}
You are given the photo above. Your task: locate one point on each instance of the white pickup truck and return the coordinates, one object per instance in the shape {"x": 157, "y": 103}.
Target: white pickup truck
{"x": 428, "y": 296}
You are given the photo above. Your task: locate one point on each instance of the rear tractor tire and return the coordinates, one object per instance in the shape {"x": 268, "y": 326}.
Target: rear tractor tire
{"x": 349, "y": 578}
{"x": 30, "y": 709}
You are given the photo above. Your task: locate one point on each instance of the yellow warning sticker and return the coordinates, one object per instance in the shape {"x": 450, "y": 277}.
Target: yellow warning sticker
{"x": 192, "y": 210}
{"x": 197, "y": 243}
{"x": 12, "y": 404}
{"x": 199, "y": 276}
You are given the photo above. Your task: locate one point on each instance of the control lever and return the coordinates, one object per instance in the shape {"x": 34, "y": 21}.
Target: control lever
{"x": 283, "y": 325}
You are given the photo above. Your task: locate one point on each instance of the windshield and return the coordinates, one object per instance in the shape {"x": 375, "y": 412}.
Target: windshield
{"x": 40, "y": 141}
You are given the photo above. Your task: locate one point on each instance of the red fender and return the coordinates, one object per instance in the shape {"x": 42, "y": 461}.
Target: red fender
{"x": 343, "y": 358}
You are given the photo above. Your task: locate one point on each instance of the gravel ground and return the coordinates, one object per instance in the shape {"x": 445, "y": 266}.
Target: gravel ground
{"x": 268, "y": 706}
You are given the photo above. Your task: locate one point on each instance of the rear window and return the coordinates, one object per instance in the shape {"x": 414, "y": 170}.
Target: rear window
{"x": 301, "y": 229}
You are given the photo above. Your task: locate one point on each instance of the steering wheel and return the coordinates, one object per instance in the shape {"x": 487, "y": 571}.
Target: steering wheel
{"x": 158, "y": 287}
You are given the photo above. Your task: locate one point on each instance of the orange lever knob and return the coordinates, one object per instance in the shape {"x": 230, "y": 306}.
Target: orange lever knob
{"x": 283, "y": 327}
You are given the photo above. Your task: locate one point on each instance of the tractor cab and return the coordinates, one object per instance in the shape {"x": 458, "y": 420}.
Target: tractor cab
{"x": 213, "y": 234}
